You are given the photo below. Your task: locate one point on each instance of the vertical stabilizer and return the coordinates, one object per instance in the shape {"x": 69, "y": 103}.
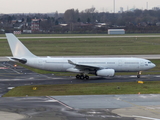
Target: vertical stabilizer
{"x": 17, "y": 48}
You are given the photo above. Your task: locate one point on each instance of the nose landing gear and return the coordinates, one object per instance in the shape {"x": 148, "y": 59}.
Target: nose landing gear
{"x": 139, "y": 74}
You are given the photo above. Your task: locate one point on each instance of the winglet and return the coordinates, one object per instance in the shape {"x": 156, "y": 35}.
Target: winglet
{"x": 17, "y": 48}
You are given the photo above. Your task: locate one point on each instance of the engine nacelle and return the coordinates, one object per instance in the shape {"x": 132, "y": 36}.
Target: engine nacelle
{"x": 105, "y": 72}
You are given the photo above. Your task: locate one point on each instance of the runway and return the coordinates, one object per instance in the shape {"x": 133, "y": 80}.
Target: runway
{"x": 87, "y": 36}
{"x": 96, "y": 107}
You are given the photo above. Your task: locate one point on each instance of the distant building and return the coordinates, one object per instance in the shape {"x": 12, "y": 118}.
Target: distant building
{"x": 63, "y": 25}
{"x": 18, "y": 26}
{"x": 13, "y": 21}
{"x": 156, "y": 8}
{"x": 121, "y": 9}
{"x": 27, "y": 31}
{"x": 116, "y": 31}
{"x": 101, "y": 25}
{"x": 35, "y": 27}
{"x": 132, "y": 9}
{"x": 16, "y": 32}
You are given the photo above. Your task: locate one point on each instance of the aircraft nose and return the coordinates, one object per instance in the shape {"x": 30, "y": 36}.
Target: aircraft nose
{"x": 153, "y": 65}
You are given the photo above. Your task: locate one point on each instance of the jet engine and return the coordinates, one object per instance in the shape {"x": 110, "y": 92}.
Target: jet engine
{"x": 105, "y": 72}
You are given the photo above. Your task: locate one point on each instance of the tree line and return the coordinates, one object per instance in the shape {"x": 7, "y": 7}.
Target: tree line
{"x": 89, "y": 21}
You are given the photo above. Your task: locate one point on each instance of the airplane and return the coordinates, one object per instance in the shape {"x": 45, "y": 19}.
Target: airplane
{"x": 103, "y": 67}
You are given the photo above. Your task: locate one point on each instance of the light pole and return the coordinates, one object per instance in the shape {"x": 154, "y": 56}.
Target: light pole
{"x": 114, "y": 6}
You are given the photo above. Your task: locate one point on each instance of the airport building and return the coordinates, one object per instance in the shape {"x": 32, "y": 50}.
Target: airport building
{"x": 116, "y": 31}
{"x": 35, "y": 27}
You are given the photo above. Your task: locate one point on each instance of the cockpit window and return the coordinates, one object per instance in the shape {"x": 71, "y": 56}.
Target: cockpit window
{"x": 149, "y": 62}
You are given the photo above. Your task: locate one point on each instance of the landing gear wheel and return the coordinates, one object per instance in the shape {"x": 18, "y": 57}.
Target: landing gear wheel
{"x": 86, "y": 77}
{"x": 138, "y": 76}
{"x": 78, "y": 76}
{"x": 82, "y": 77}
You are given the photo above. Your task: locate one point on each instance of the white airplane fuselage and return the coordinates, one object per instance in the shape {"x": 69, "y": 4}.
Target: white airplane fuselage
{"x": 118, "y": 64}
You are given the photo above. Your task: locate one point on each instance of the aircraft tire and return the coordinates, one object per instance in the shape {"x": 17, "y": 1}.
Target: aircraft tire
{"x": 86, "y": 77}
{"x": 82, "y": 77}
{"x": 138, "y": 76}
{"x": 78, "y": 76}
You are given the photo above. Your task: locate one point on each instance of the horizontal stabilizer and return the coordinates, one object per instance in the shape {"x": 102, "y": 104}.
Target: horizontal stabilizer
{"x": 19, "y": 60}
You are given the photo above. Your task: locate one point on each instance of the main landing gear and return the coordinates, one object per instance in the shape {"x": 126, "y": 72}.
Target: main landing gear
{"x": 139, "y": 74}
{"x": 82, "y": 77}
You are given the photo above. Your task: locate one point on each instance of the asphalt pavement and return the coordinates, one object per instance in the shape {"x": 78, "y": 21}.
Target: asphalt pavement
{"x": 89, "y": 36}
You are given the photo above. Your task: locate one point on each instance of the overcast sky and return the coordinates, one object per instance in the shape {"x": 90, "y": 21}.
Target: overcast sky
{"x": 48, "y": 6}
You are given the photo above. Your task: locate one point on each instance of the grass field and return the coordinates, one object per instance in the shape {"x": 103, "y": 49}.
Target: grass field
{"x": 86, "y": 89}
{"x": 87, "y": 46}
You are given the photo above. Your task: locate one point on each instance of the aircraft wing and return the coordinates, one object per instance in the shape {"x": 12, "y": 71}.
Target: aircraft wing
{"x": 82, "y": 67}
